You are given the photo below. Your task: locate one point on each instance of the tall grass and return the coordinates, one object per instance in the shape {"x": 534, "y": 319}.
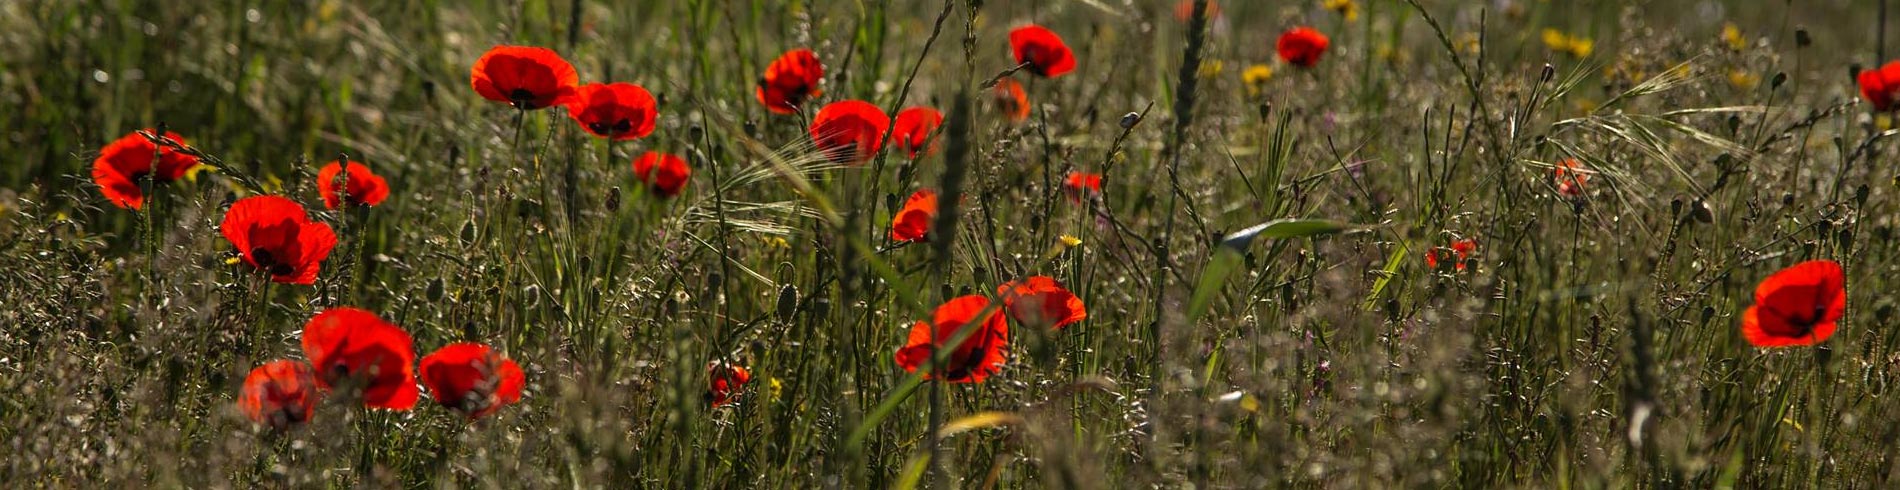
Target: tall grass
{"x": 1590, "y": 342}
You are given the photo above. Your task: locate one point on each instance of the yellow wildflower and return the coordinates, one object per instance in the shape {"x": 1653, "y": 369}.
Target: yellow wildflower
{"x": 1575, "y": 46}
{"x": 1742, "y": 79}
{"x": 1255, "y": 78}
{"x": 1211, "y": 68}
{"x": 1071, "y": 240}
{"x": 1732, "y": 36}
{"x": 1348, "y": 9}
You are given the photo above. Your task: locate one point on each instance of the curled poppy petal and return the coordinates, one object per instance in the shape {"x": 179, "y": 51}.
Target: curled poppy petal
{"x": 124, "y": 161}
{"x": 665, "y": 173}
{"x": 791, "y": 80}
{"x": 1042, "y": 50}
{"x": 274, "y": 235}
{"x": 1799, "y": 305}
{"x": 279, "y": 394}
{"x": 976, "y": 358}
{"x": 727, "y": 380}
{"x": 1041, "y": 302}
{"x": 849, "y": 131}
{"x": 912, "y": 222}
{"x": 364, "y": 188}
{"x": 472, "y": 379}
{"x": 1008, "y": 96}
{"x": 915, "y": 128}
{"x": 618, "y": 111}
{"x": 1301, "y": 46}
{"x": 1081, "y": 184}
{"x": 526, "y": 77}
{"x": 1460, "y": 249}
{"x": 353, "y": 347}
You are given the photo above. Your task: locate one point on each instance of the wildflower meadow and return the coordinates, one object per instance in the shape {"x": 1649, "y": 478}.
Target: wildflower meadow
{"x": 949, "y": 244}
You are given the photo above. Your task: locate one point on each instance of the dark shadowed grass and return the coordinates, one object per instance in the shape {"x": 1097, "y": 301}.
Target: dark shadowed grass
{"x": 1589, "y": 342}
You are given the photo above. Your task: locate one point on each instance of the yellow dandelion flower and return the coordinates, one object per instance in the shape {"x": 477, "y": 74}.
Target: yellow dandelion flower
{"x": 1070, "y": 240}
{"x": 1575, "y": 46}
{"x": 1255, "y": 78}
{"x": 1732, "y": 36}
{"x": 1743, "y": 80}
{"x": 1348, "y": 9}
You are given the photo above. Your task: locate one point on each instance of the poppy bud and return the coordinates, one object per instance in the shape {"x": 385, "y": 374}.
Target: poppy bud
{"x": 1675, "y": 207}
{"x": 1129, "y": 120}
{"x": 751, "y": 128}
{"x": 787, "y": 302}
{"x": 1781, "y": 77}
{"x": 1860, "y": 196}
{"x": 1734, "y": 124}
{"x": 1801, "y": 38}
{"x": 613, "y": 199}
{"x": 1823, "y": 227}
{"x": 1700, "y": 211}
{"x": 468, "y": 233}
{"x": 1787, "y": 198}
{"x": 1549, "y": 71}
{"x": 1265, "y": 110}
{"x": 1883, "y": 313}
{"x": 1846, "y": 237}
{"x": 1708, "y": 313}
{"x": 435, "y": 290}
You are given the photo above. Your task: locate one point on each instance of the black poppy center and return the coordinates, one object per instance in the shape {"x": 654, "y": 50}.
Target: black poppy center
{"x": 621, "y": 126}
{"x": 522, "y": 97}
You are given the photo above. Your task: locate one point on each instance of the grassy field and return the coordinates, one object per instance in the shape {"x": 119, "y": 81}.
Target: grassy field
{"x": 1616, "y": 177}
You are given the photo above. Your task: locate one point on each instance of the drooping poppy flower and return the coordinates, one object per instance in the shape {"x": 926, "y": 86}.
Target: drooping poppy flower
{"x": 1798, "y": 305}
{"x": 123, "y": 161}
{"x": 1080, "y": 184}
{"x": 365, "y": 188}
{"x": 791, "y": 80}
{"x": 727, "y": 381}
{"x": 912, "y": 223}
{"x": 274, "y": 235}
{"x": 1009, "y": 98}
{"x": 978, "y": 356}
{"x": 1042, "y": 50}
{"x": 915, "y": 130}
{"x": 472, "y": 379}
{"x": 618, "y": 111}
{"x": 1461, "y": 249}
{"x": 665, "y": 173}
{"x": 1301, "y": 46}
{"x": 526, "y": 77}
{"x": 1041, "y": 302}
{"x": 354, "y": 346}
{"x": 1570, "y": 177}
{"x": 1881, "y": 86}
{"x": 849, "y": 131}
{"x": 279, "y": 394}
{"x": 1184, "y": 10}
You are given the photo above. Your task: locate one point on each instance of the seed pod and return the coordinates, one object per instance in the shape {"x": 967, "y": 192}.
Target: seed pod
{"x": 468, "y": 233}
{"x": 1802, "y": 39}
{"x": 1700, "y": 211}
{"x": 787, "y": 302}
{"x": 436, "y": 290}
{"x": 1549, "y": 71}
{"x": 613, "y": 199}
{"x": 1129, "y": 120}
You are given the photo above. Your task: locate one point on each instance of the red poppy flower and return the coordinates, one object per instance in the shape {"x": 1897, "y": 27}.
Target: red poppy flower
{"x": 123, "y": 161}
{"x": 973, "y": 360}
{"x": 1083, "y": 184}
{"x": 791, "y": 80}
{"x": 1460, "y": 248}
{"x": 1796, "y": 306}
{"x": 1184, "y": 10}
{"x": 365, "y": 187}
{"x": 1881, "y": 86}
{"x": 1570, "y": 177}
{"x": 526, "y": 77}
{"x": 727, "y": 381}
{"x": 665, "y": 173}
{"x": 1042, "y": 50}
{"x": 619, "y": 111}
{"x": 915, "y": 128}
{"x": 472, "y": 379}
{"x": 352, "y": 345}
{"x": 1009, "y": 97}
{"x": 913, "y": 221}
{"x": 1041, "y": 302}
{"x": 274, "y": 235}
{"x": 849, "y": 131}
{"x": 280, "y": 394}
{"x": 1302, "y": 46}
